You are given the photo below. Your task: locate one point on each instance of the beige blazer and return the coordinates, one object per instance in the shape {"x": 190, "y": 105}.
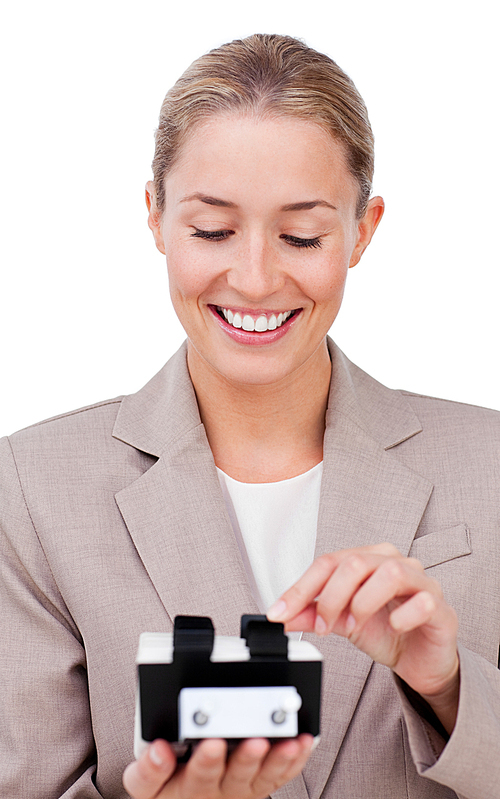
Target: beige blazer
{"x": 112, "y": 522}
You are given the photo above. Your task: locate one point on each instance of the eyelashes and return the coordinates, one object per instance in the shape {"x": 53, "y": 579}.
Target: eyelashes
{"x": 296, "y": 242}
{"x": 222, "y": 235}
{"x": 212, "y": 235}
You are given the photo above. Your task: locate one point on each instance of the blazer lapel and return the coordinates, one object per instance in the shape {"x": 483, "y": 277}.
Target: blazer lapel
{"x": 176, "y": 517}
{"x": 368, "y": 497}
{"x": 175, "y": 512}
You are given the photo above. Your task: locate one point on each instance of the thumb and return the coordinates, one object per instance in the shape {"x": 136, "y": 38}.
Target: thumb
{"x": 144, "y": 778}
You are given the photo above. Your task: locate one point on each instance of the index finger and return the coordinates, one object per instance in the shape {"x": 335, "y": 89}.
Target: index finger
{"x": 303, "y": 593}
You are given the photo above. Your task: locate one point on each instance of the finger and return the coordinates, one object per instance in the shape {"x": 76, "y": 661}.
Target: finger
{"x": 312, "y": 582}
{"x": 283, "y": 763}
{"x": 415, "y": 612}
{"x": 144, "y": 778}
{"x": 394, "y": 578}
{"x": 306, "y": 742}
{"x": 205, "y": 768}
{"x": 384, "y": 549}
{"x": 335, "y": 600}
{"x": 304, "y": 622}
{"x": 336, "y": 596}
{"x": 304, "y": 591}
{"x": 244, "y": 765}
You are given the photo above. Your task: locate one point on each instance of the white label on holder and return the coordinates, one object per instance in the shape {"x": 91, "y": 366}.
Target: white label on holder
{"x": 257, "y": 712}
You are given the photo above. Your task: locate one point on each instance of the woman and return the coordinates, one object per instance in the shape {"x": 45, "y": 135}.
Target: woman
{"x": 257, "y": 446}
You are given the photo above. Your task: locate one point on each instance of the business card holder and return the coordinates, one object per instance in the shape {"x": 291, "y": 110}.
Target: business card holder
{"x": 193, "y": 684}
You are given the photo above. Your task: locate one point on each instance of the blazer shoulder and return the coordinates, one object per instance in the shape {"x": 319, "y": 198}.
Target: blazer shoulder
{"x": 70, "y": 454}
{"x": 471, "y": 432}
{"x": 427, "y": 406}
{"x": 95, "y": 408}
{"x": 90, "y": 422}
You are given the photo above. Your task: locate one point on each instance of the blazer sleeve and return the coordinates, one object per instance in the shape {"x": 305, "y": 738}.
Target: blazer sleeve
{"x": 469, "y": 762}
{"x": 46, "y": 741}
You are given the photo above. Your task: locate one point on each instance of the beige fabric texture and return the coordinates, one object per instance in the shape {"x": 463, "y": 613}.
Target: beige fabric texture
{"x": 112, "y": 522}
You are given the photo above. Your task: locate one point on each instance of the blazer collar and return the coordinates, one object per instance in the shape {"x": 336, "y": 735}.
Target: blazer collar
{"x": 383, "y": 413}
{"x": 176, "y": 516}
{"x": 166, "y": 407}
{"x": 163, "y": 411}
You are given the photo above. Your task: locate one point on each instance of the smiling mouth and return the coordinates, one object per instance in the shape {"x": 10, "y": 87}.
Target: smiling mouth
{"x": 260, "y": 323}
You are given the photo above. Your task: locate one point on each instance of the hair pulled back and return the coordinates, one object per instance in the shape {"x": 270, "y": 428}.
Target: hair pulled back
{"x": 270, "y": 76}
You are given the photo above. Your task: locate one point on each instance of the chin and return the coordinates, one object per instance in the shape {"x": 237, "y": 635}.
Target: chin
{"x": 260, "y": 372}
{"x": 251, "y": 366}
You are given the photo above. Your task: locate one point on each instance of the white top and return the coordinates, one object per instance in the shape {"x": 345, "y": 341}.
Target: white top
{"x": 275, "y": 526}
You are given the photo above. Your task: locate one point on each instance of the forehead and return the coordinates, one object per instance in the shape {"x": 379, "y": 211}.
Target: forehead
{"x": 254, "y": 157}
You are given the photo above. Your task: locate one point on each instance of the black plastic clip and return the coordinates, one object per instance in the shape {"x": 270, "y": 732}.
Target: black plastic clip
{"x": 265, "y": 639}
{"x": 193, "y": 637}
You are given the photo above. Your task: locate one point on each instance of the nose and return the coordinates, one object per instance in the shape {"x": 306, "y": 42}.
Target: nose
{"x": 255, "y": 271}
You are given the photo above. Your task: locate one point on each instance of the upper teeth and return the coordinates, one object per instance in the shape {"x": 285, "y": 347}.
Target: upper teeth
{"x": 247, "y": 322}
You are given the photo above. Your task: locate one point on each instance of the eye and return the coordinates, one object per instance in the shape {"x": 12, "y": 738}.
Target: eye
{"x": 296, "y": 242}
{"x": 212, "y": 235}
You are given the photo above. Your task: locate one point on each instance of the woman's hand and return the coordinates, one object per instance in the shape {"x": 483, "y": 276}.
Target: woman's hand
{"x": 390, "y": 609}
{"x": 253, "y": 770}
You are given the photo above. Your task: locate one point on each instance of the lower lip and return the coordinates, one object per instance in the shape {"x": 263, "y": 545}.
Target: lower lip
{"x": 253, "y": 338}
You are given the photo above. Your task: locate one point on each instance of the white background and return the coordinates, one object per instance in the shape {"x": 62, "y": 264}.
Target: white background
{"x": 84, "y": 307}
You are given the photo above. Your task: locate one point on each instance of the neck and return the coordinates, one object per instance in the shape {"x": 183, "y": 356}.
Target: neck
{"x": 264, "y": 433}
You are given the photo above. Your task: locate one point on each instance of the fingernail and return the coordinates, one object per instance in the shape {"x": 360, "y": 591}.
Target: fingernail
{"x": 395, "y": 623}
{"x": 350, "y": 624}
{"x": 320, "y": 625}
{"x": 276, "y": 611}
{"x": 155, "y": 756}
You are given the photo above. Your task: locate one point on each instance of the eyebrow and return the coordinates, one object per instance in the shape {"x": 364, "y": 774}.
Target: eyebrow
{"x": 307, "y": 206}
{"x": 302, "y": 206}
{"x": 204, "y": 198}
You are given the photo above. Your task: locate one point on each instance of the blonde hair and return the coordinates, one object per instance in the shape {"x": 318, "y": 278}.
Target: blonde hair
{"x": 267, "y": 75}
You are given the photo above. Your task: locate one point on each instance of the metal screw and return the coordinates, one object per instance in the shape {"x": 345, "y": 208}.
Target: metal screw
{"x": 200, "y": 718}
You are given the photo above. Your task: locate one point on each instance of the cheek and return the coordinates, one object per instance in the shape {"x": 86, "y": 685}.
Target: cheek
{"x": 327, "y": 279}
{"x": 188, "y": 276}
